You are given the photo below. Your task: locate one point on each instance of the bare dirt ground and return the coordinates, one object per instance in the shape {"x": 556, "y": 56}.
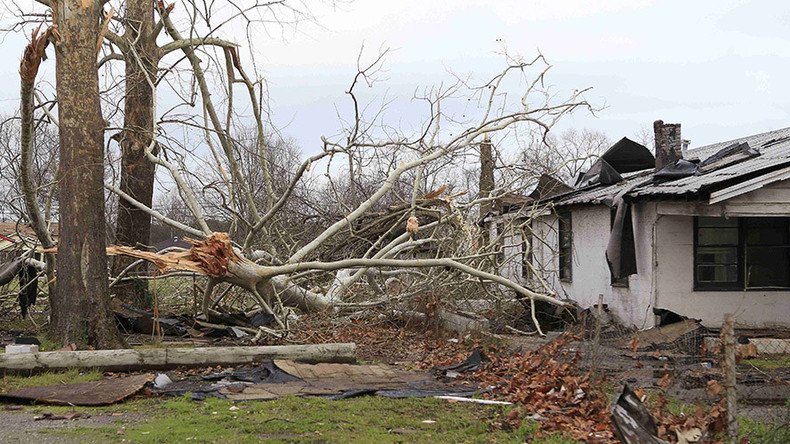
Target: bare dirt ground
{"x": 21, "y": 427}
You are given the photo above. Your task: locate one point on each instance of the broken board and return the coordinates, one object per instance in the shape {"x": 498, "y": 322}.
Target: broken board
{"x": 104, "y": 392}
{"x": 331, "y": 379}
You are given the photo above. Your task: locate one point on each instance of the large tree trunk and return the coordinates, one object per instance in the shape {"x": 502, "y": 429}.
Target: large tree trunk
{"x": 486, "y": 185}
{"x": 80, "y": 308}
{"x": 137, "y": 172}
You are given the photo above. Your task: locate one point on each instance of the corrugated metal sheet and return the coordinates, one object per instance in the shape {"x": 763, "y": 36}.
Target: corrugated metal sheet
{"x": 774, "y": 147}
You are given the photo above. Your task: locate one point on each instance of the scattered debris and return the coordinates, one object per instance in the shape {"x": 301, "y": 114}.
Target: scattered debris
{"x": 274, "y": 379}
{"x": 684, "y": 335}
{"x": 104, "y": 392}
{"x": 633, "y": 424}
{"x": 471, "y": 364}
{"x": 162, "y": 380}
{"x": 474, "y": 400}
{"x": 21, "y": 348}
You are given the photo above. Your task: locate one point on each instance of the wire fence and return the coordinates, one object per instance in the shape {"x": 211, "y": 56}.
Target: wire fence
{"x": 745, "y": 374}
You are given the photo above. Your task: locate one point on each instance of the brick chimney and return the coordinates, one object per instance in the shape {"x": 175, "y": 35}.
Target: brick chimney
{"x": 669, "y": 144}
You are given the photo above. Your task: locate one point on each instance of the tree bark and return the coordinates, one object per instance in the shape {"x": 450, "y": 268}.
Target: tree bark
{"x": 133, "y": 226}
{"x": 486, "y": 184}
{"x": 160, "y": 358}
{"x": 80, "y": 307}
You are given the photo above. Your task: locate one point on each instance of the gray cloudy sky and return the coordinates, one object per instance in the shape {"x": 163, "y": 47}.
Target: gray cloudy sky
{"x": 718, "y": 67}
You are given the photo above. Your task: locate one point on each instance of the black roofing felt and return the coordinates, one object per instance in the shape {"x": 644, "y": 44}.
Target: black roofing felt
{"x": 600, "y": 173}
{"x": 627, "y": 156}
{"x": 549, "y": 186}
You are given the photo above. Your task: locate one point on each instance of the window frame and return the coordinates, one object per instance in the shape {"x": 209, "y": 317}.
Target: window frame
{"x": 567, "y": 217}
{"x": 740, "y": 284}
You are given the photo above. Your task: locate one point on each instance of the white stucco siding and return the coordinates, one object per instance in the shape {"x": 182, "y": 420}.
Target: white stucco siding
{"x": 591, "y": 276}
{"x": 675, "y": 284}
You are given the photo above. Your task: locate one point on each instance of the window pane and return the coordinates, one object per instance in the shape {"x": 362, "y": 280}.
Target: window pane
{"x": 717, "y": 236}
{"x": 766, "y": 231}
{"x": 767, "y": 267}
{"x": 717, "y": 256}
{"x": 565, "y": 235}
{"x": 717, "y": 273}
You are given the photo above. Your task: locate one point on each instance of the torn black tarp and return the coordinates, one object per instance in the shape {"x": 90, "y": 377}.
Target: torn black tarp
{"x": 632, "y": 422}
{"x": 28, "y": 287}
{"x": 471, "y": 364}
{"x": 627, "y": 156}
{"x": 678, "y": 170}
{"x": 600, "y": 173}
{"x": 621, "y": 249}
{"x": 549, "y": 186}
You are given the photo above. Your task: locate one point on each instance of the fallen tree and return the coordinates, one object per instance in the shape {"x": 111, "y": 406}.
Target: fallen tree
{"x": 276, "y": 253}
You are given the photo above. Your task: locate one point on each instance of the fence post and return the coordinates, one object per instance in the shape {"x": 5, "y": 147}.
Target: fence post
{"x": 597, "y": 338}
{"x": 729, "y": 367}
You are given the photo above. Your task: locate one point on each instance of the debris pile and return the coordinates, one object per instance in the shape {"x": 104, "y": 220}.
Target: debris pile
{"x": 549, "y": 387}
{"x": 552, "y": 388}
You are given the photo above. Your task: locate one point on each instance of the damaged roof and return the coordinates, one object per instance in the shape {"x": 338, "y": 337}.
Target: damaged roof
{"x": 774, "y": 153}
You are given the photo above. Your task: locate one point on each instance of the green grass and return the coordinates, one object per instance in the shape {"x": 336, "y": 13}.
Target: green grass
{"x": 363, "y": 420}
{"x": 9, "y": 382}
{"x": 762, "y": 432}
{"x": 772, "y": 363}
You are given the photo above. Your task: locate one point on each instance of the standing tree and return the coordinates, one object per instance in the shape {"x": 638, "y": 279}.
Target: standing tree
{"x": 133, "y": 226}
{"x": 80, "y": 306}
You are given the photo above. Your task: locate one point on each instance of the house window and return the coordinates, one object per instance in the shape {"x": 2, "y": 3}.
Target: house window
{"x": 526, "y": 252}
{"x": 565, "y": 235}
{"x": 741, "y": 253}
{"x": 628, "y": 242}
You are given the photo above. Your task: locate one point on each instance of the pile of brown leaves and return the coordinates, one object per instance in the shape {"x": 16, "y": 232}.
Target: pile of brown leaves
{"x": 547, "y": 383}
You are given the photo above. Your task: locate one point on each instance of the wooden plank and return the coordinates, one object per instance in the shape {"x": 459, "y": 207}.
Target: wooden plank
{"x": 121, "y": 360}
{"x": 689, "y": 209}
{"x": 749, "y": 185}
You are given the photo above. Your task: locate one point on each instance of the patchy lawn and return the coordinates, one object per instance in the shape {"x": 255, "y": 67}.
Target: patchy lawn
{"x": 769, "y": 363}
{"x": 364, "y": 419}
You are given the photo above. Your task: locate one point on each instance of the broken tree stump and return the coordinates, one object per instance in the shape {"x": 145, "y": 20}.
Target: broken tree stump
{"x": 158, "y": 358}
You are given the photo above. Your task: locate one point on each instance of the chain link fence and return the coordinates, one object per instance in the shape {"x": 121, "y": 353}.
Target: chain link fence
{"x": 745, "y": 374}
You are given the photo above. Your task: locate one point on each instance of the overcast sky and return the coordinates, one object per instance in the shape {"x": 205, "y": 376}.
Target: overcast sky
{"x": 718, "y": 67}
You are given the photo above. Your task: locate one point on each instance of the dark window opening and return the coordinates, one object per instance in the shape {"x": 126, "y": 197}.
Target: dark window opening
{"x": 565, "y": 235}
{"x": 741, "y": 253}
{"x": 628, "y": 242}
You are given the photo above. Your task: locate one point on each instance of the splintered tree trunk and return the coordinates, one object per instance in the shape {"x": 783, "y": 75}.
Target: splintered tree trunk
{"x": 80, "y": 308}
{"x": 137, "y": 172}
{"x": 486, "y": 185}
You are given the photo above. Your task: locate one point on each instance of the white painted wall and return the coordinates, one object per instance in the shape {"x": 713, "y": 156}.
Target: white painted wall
{"x": 675, "y": 285}
{"x": 590, "y": 275}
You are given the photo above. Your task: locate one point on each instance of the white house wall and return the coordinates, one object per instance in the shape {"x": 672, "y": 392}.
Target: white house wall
{"x": 665, "y": 276}
{"x": 675, "y": 284}
{"x": 590, "y": 273}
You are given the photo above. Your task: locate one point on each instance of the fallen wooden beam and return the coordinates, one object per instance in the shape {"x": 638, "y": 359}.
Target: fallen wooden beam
{"x": 159, "y": 358}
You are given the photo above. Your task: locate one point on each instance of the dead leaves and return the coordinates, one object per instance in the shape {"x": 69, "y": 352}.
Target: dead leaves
{"x": 548, "y": 383}
{"x": 714, "y": 389}
{"x": 412, "y": 225}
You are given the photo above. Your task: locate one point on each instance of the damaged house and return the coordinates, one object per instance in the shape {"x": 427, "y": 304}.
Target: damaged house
{"x": 698, "y": 232}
